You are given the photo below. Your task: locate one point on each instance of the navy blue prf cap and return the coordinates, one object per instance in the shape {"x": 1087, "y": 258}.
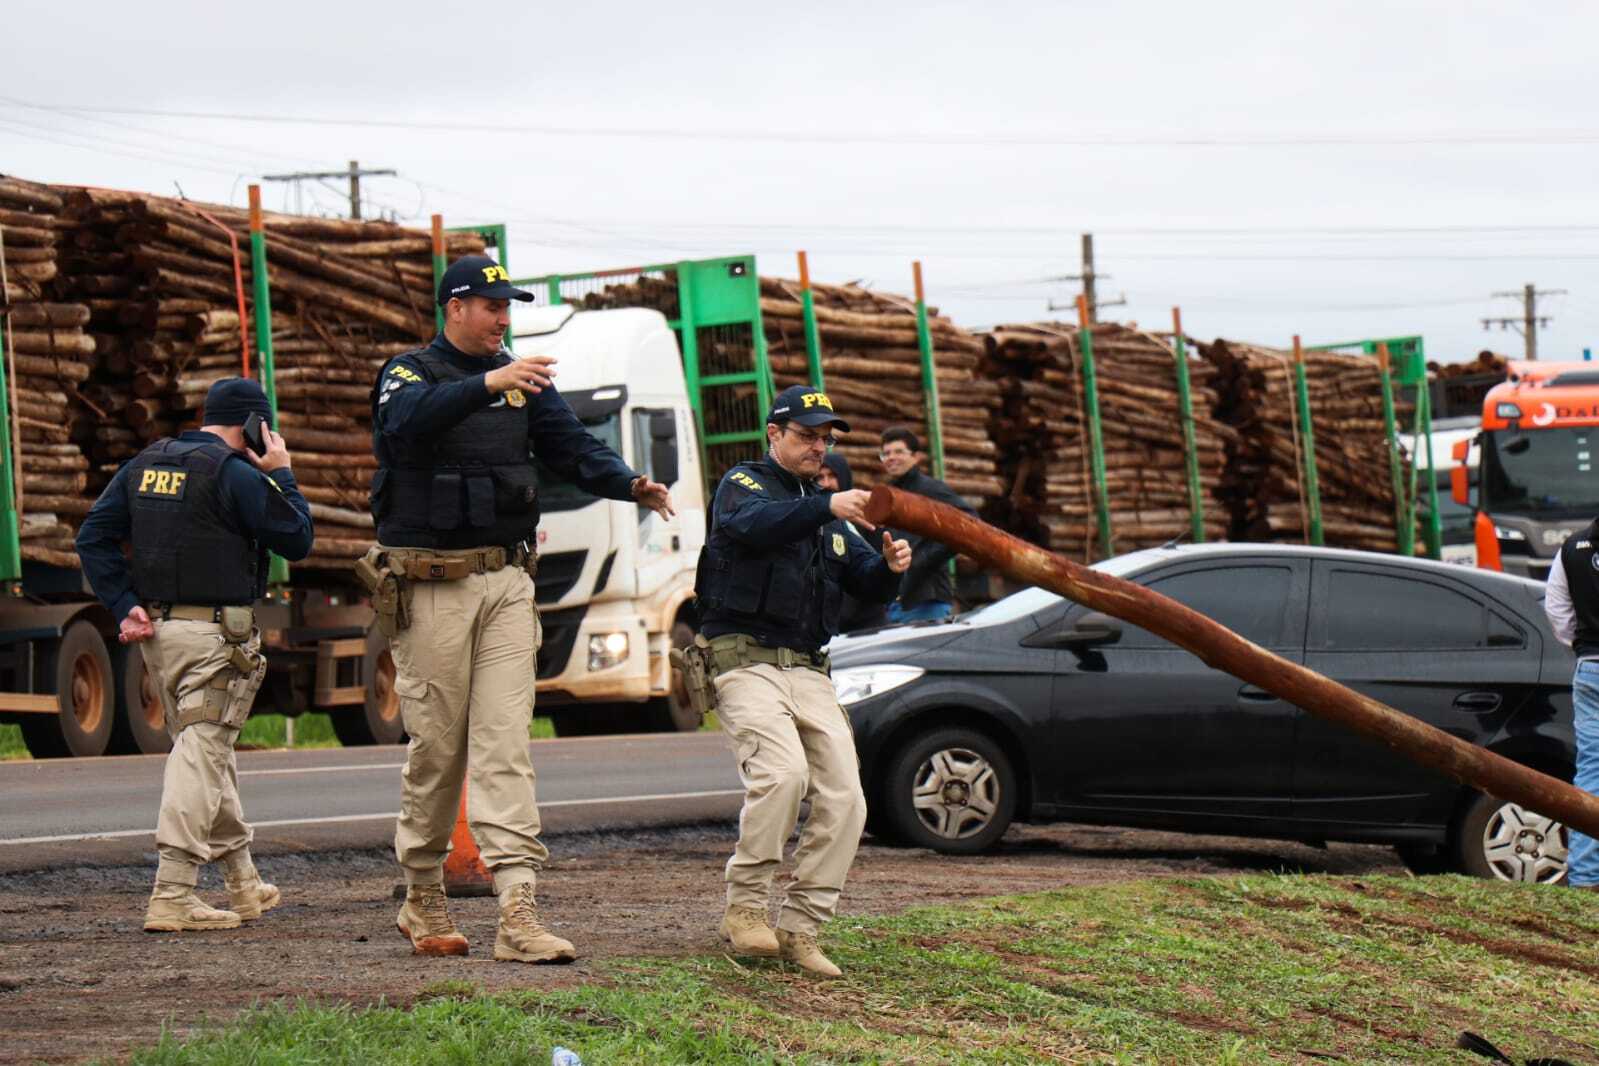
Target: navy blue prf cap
{"x": 231, "y": 402}
{"x": 478, "y": 275}
{"x": 805, "y": 405}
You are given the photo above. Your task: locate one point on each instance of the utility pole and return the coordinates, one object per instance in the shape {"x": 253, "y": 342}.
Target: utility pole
{"x": 354, "y": 174}
{"x": 1530, "y": 321}
{"x": 1089, "y": 277}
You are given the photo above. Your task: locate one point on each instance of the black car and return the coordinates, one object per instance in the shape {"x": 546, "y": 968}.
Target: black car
{"x": 1036, "y": 709}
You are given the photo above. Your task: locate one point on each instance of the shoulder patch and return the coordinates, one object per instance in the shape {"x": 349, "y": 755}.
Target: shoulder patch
{"x": 838, "y": 544}
{"x": 738, "y": 477}
{"x": 404, "y": 373}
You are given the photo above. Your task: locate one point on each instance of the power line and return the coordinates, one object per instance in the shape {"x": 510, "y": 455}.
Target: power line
{"x": 1531, "y": 321}
{"x": 1517, "y": 138}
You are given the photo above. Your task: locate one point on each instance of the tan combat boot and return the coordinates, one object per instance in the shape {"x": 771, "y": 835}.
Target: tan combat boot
{"x": 424, "y": 920}
{"x": 248, "y": 895}
{"x": 522, "y": 938}
{"x": 746, "y": 929}
{"x": 175, "y": 908}
{"x": 801, "y": 949}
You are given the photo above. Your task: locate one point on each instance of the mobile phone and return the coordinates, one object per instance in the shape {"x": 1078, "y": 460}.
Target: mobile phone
{"x": 254, "y": 438}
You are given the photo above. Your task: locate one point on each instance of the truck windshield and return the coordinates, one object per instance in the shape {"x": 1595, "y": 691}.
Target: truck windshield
{"x": 1542, "y": 472}
{"x": 558, "y": 494}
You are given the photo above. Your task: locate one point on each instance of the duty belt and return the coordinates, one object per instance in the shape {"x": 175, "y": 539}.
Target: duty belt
{"x": 191, "y": 612}
{"x": 734, "y": 650}
{"x": 422, "y": 564}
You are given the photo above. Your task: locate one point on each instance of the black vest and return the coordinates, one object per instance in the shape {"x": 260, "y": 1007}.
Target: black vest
{"x": 185, "y": 549}
{"x": 1581, "y": 563}
{"x": 785, "y": 595}
{"x": 474, "y": 487}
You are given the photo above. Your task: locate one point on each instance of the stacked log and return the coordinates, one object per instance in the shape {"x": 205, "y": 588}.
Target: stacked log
{"x": 871, "y": 365}
{"x": 49, "y": 356}
{"x": 162, "y": 283}
{"x": 1043, "y": 434}
{"x": 1264, "y": 483}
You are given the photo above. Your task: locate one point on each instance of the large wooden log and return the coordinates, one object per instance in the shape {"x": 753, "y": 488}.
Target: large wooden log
{"x": 1222, "y": 649}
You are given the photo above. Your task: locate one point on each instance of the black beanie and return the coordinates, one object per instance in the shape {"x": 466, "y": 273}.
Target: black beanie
{"x": 232, "y": 401}
{"x": 840, "y": 468}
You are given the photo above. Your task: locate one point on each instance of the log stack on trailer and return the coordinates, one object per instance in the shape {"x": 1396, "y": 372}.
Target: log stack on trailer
{"x": 1045, "y": 438}
{"x": 49, "y": 357}
{"x": 872, "y": 369}
{"x": 167, "y": 282}
{"x": 1265, "y": 486}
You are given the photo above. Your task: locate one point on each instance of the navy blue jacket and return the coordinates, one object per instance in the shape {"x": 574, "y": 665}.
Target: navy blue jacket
{"x": 927, "y": 581}
{"x": 266, "y": 508}
{"x": 776, "y": 562}
{"x": 412, "y": 411}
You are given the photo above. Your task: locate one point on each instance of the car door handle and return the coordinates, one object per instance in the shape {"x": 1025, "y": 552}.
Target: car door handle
{"x": 1479, "y": 702}
{"x": 1256, "y": 695}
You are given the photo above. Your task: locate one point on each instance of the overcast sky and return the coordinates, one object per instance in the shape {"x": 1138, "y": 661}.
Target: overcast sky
{"x": 1338, "y": 170}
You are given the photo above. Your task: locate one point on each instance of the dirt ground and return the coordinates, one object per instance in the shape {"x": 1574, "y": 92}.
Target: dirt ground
{"x": 79, "y": 978}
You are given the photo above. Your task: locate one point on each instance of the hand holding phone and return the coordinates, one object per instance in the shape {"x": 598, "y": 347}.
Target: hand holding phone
{"x": 254, "y": 438}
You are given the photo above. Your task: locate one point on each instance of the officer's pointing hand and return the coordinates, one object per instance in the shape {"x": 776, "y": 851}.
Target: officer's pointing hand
{"x": 897, "y": 553}
{"x": 137, "y": 626}
{"x": 277, "y": 453}
{"x": 531, "y": 372}
{"x": 654, "y": 495}
{"x": 851, "y": 506}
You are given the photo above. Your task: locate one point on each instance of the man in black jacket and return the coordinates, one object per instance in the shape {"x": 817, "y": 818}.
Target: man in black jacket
{"x": 772, "y": 578}
{"x": 924, "y": 593}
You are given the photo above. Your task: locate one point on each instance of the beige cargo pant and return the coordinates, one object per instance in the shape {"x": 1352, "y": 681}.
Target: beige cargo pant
{"x": 206, "y": 701}
{"x": 465, "y": 671}
{"x": 793, "y": 742}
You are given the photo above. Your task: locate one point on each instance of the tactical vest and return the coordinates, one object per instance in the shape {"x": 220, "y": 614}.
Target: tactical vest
{"x": 476, "y": 488}
{"x": 1579, "y": 559}
{"x": 786, "y": 595}
{"x": 184, "y": 549}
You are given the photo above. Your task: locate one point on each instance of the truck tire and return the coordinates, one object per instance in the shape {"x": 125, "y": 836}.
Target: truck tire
{"x": 79, "y": 668}
{"x": 141, "y": 727}
{"x": 672, "y": 713}
{"x": 377, "y": 720}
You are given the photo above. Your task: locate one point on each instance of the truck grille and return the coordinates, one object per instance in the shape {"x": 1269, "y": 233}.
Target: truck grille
{"x": 560, "y": 634}
{"x": 558, "y": 572}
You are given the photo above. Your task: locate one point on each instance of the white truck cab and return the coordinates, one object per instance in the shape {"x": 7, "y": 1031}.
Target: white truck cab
{"x": 614, "y": 579}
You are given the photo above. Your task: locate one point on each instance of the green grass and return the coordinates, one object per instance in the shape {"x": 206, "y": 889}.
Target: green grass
{"x": 11, "y": 745}
{"x": 1239, "y": 970}
{"x": 271, "y": 731}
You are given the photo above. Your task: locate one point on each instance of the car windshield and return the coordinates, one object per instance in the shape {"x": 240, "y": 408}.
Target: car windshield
{"x": 1028, "y": 600}
{"x": 558, "y": 494}
{"x": 1540, "y": 472}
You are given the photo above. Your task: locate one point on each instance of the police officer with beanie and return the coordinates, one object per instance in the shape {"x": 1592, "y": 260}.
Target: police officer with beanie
{"x": 772, "y": 578}
{"x": 202, "y": 511}
{"x": 455, "y": 426}
{"x": 1571, "y": 600}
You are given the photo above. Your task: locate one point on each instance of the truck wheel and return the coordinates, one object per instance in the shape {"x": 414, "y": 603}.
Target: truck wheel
{"x": 673, "y": 713}
{"x": 80, "y": 668}
{"x": 141, "y": 727}
{"x": 378, "y": 719}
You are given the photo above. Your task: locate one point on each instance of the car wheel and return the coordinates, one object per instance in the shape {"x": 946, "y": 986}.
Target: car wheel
{"x": 85, "y": 695}
{"x": 1497, "y": 839}
{"x": 141, "y": 727}
{"x": 953, "y": 790}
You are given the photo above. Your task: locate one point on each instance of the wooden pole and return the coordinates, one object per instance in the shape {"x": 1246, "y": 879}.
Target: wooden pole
{"x": 1221, "y": 648}
{"x": 813, "y": 339}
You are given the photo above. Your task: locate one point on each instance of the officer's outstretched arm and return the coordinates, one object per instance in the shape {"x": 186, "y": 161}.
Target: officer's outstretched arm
{"x": 866, "y": 572}
{"x": 564, "y": 445}
{"x": 412, "y": 408}
{"x": 748, "y": 513}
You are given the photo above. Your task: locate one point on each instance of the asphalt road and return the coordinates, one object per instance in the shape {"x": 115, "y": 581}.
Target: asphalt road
{"x": 63, "y": 811}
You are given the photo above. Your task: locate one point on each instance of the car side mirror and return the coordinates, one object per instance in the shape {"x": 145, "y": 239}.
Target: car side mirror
{"x": 663, "y": 447}
{"x": 1094, "y": 629}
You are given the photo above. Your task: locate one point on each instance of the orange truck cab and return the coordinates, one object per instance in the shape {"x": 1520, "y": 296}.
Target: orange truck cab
{"x": 1536, "y": 481}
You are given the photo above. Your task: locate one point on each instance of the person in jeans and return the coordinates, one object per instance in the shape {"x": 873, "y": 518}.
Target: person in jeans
{"x": 1571, "y": 600}
{"x": 925, "y": 593}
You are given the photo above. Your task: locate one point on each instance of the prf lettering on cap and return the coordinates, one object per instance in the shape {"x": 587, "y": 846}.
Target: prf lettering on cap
{"x": 158, "y": 483}
{"x": 817, "y": 399}
{"x": 495, "y": 273}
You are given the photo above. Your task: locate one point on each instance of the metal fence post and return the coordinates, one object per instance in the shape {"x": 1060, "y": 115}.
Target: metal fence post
{"x": 260, "y": 285}
{"x": 1096, "y": 442}
{"x": 813, "y": 338}
{"x": 1185, "y": 407}
{"x": 924, "y": 341}
{"x": 1312, "y": 488}
{"x": 10, "y": 538}
{"x": 1404, "y": 520}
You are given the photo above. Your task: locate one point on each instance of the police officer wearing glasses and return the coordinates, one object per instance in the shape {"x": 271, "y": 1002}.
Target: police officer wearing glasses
{"x": 772, "y": 578}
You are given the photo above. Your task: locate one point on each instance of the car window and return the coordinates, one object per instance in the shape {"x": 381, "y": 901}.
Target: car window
{"x": 1366, "y": 609}
{"x": 1252, "y": 601}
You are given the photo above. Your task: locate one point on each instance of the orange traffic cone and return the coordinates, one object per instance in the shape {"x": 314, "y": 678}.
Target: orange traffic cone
{"x": 464, "y": 872}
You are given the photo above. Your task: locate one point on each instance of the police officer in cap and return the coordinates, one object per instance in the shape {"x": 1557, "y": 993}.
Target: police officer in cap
{"x": 772, "y": 577}
{"x": 455, "y": 426}
{"x": 1571, "y": 601}
{"x": 202, "y": 511}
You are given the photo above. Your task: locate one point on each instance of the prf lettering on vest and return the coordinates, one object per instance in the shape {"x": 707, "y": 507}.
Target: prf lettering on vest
{"x": 744, "y": 479}
{"x": 495, "y": 273}
{"x": 162, "y": 483}
{"x": 817, "y": 399}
